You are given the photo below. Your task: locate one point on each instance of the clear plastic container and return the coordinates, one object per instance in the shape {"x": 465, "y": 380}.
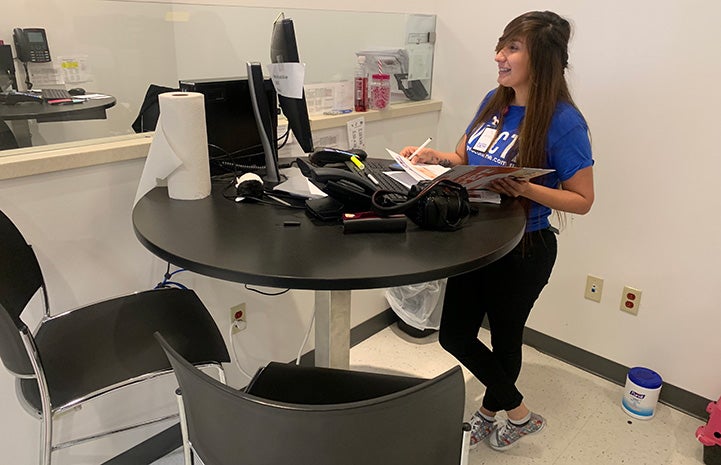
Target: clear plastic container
{"x": 379, "y": 91}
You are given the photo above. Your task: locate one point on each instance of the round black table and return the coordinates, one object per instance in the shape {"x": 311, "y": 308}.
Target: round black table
{"x": 43, "y": 112}
{"x": 252, "y": 244}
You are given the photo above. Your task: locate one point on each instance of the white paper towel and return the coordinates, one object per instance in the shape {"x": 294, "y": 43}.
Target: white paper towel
{"x": 179, "y": 150}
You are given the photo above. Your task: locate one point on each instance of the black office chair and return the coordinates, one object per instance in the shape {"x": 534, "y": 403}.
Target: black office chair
{"x": 321, "y": 416}
{"x": 149, "y": 111}
{"x": 79, "y": 355}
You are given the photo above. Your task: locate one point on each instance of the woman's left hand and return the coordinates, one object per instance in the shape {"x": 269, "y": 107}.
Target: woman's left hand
{"x": 510, "y": 187}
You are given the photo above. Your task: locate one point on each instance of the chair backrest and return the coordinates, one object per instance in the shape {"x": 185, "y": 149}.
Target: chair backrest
{"x": 20, "y": 280}
{"x": 420, "y": 424}
{"x": 149, "y": 112}
{"x": 20, "y": 274}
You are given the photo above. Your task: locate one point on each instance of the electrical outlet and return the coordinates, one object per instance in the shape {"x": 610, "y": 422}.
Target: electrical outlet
{"x": 594, "y": 288}
{"x": 237, "y": 317}
{"x": 630, "y": 300}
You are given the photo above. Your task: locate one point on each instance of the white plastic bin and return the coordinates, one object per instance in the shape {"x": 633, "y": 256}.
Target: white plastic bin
{"x": 640, "y": 395}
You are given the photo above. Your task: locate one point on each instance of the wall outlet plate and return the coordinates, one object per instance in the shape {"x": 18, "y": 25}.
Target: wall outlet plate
{"x": 237, "y": 314}
{"x": 630, "y": 300}
{"x": 594, "y": 288}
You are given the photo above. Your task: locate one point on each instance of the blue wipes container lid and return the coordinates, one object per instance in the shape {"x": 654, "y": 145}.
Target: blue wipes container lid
{"x": 645, "y": 378}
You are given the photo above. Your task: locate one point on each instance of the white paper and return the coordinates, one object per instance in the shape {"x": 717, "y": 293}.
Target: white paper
{"x": 402, "y": 177}
{"x": 299, "y": 185}
{"x": 356, "y": 133}
{"x": 288, "y": 78}
{"x": 45, "y": 75}
{"x": 75, "y": 69}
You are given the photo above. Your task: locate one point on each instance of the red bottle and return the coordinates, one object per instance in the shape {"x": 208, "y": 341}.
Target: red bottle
{"x": 361, "y": 86}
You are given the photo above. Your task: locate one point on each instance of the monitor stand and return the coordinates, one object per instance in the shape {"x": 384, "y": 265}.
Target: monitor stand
{"x": 263, "y": 115}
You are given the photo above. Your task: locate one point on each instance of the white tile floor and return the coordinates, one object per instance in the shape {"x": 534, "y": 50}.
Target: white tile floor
{"x": 586, "y": 424}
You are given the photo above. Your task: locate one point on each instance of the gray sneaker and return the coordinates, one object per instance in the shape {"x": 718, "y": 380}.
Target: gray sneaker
{"x": 507, "y": 435}
{"x": 480, "y": 429}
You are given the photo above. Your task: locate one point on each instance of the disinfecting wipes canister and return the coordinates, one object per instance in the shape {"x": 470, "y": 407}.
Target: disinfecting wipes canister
{"x": 640, "y": 395}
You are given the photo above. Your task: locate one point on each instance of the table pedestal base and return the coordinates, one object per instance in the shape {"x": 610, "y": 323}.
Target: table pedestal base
{"x": 332, "y": 329}
{"x": 21, "y": 130}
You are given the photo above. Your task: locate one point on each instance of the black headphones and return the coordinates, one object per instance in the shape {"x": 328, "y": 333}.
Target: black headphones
{"x": 440, "y": 204}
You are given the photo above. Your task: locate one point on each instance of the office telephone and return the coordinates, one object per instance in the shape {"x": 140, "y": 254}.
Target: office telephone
{"x": 31, "y": 45}
{"x": 348, "y": 188}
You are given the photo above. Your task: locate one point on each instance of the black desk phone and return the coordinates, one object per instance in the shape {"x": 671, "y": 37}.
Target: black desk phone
{"x": 31, "y": 45}
{"x": 349, "y": 189}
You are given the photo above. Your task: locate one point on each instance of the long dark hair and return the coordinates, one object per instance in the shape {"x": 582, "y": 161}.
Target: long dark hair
{"x": 546, "y": 36}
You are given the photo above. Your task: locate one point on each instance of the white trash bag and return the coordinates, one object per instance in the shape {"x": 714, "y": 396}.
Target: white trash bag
{"x": 419, "y": 305}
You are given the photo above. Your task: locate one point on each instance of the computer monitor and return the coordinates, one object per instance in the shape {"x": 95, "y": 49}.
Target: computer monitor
{"x": 234, "y": 142}
{"x": 284, "y": 49}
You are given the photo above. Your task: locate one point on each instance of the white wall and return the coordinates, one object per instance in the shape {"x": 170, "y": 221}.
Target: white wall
{"x": 645, "y": 74}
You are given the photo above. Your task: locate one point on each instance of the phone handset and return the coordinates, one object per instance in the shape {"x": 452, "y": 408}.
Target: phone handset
{"x": 343, "y": 185}
{"x": 345, "y": 178}
{"x": 31, "y": 45}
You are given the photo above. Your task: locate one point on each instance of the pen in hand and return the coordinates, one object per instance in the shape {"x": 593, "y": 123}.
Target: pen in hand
{"x": 428, "y": 141}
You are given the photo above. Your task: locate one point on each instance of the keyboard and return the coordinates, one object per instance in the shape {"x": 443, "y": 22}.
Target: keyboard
{"x": 374, "y": 170}
{"x": 55, "y": 94}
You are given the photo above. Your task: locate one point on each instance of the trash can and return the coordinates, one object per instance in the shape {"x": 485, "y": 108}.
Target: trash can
{"x": 418, "y": 306}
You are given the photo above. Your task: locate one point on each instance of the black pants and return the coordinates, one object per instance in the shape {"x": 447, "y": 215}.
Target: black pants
{"x": 505, "y": 291}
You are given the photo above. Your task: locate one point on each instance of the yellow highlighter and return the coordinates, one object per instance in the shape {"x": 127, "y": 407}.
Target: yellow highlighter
{"x": 356, "y": 161}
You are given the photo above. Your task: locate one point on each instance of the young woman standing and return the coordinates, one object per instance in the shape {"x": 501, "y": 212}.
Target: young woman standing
{"x": 529, "y": 120}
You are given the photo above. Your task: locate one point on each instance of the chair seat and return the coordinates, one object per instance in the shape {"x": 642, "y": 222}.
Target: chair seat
{"x": 104, "y": 344}
{"x": 323, "y": 386}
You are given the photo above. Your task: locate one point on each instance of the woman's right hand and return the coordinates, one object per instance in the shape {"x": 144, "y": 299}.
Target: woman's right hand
{"x": 426, "y": 155}
{"x": 436, "y": 157}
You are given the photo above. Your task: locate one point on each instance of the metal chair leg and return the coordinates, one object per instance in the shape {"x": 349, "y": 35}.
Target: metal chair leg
{"x": 187, "y": 455}
{"x": 465, "y": 447}
{"x": 46, "y": 439}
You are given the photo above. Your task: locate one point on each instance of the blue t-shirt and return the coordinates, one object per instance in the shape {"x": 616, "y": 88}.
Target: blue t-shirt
{"x": 568, "y": 149}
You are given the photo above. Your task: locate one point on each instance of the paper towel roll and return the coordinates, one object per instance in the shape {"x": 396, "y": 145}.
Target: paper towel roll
{"x": 179, "y": 151}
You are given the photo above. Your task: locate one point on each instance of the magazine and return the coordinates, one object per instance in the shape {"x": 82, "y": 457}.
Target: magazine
{"x": 475, "y": 178}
